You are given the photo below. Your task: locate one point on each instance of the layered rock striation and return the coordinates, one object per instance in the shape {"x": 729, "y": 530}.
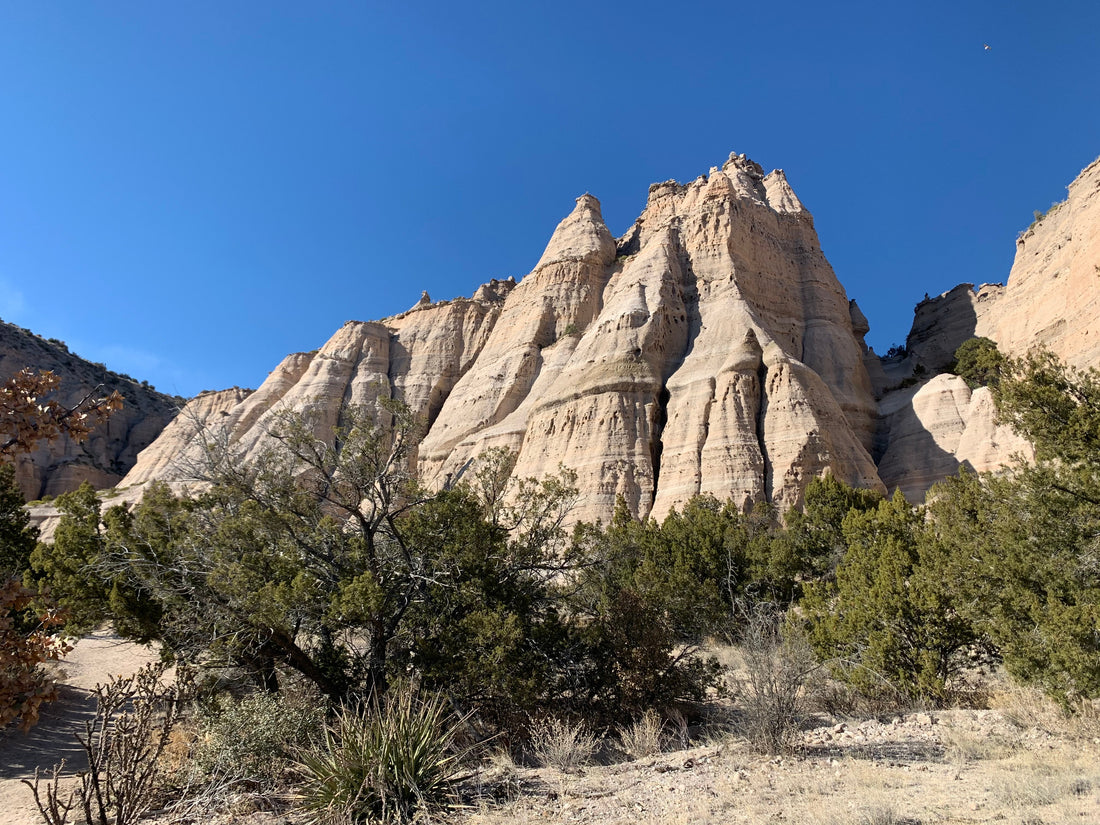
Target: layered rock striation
{"x": 710, "y": 349}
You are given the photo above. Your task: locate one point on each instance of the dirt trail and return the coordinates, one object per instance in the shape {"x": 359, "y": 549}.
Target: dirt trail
{"x": 92, "y": 660}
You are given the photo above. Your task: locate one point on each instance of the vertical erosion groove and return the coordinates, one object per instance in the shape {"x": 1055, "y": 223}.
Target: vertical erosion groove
{"x": 660, "y": 419}
{"x": 761, "y": 412}
{"x": 712, "y": 396}
{"x": 349, "y": 379}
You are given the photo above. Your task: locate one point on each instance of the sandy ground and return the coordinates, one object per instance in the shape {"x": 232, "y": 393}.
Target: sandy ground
{"x": 91, "y": 661}
{"x": 950, "y": 767}
{"x": 1019, "y": 763}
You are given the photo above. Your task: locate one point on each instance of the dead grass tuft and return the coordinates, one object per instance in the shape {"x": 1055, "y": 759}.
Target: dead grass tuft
{"x": 645, "y": 737}
{"x": 562, "y": 745}
{"x": 963, "y": 745}
{"x": 1036, "y": 780}
{"x": 1028, "y": 708}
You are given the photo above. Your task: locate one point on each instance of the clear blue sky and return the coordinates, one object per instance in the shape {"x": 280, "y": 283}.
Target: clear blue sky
{"x": 189, "y": 191}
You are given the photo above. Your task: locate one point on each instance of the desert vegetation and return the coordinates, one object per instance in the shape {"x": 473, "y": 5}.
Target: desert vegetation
{"x": 359, "y": 649}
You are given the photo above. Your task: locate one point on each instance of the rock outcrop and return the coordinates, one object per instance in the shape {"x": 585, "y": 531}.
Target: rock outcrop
{"x": 1052, "y": 296}
{"x": 928, "y": 432}
{"x": 711, "y": 349}
{"x": 1051, "y": 299}
{"x": 112, "y": 448}
{"x": 416, "y": 356}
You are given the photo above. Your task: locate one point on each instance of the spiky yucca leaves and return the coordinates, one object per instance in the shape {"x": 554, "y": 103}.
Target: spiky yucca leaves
{"x": 382, "y": 763}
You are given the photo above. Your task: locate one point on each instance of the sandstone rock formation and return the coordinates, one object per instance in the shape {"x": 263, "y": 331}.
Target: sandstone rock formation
{"x": 1052, "y": 298}
{"x": 112, "y": 448}
{"x": 710, "y": 349}
{"x": 928, "y": 432}
{"x": 417, "y": 355}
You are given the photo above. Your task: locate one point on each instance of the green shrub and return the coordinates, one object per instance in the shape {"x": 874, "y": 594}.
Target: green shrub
{"x": 897, "y": 351}
{"x": 385, "y": 763}
{"x": 255, "y": 737}
{"x": 888, "y": 624}
{"x": 979, "y": 362}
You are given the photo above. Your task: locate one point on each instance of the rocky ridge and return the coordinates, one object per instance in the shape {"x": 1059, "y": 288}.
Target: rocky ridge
{"x": 710, "y": 349}
{"x": 1051, "y": 298}
{"x": 112, "y": 448}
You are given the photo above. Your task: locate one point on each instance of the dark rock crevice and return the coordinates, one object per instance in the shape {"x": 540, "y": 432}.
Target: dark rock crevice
{"x": 761, "y": 415}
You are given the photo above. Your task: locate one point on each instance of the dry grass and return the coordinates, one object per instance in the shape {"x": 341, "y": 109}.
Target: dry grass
{"x": 645, "y": 737}
{"x": 1027, "y": 708}
{"x": 562, "y": 745}
{"x": 1036, "y": 780}
{"x": 965, "y": 745}
{"x": 986, "y": 769}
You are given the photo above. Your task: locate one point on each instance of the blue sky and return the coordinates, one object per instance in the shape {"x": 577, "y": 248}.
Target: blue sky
{"x": 188, "y": 192}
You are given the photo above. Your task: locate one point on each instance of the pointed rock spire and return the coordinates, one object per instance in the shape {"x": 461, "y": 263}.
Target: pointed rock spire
{"x": 582, "y": 235}
{"x": 781, "y": 197}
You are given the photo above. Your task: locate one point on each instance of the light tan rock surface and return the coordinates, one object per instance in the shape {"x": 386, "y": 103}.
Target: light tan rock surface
{"x": 1052, "y": 298}
{"x": 416, "y": 355}
{"x": 929, "y": 431}
{"x": 710, "y": 349}
{"x": 112, "y": 448}
{"x": 179, "y": 446}
{"x": 942, "y": 323}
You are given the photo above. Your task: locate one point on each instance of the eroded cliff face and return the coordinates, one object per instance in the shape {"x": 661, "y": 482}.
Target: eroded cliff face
{"x": 931, "y": 430}
{"x": 416, "y": 356}
{"x": 709, "y": 350}
{"x": 111, "y": 449}
{"x": 1051, "y": 299}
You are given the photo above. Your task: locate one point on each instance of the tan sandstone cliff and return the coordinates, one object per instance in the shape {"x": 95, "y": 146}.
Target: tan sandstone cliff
{"x": 1052, "y": 299}
{"x": 710, "y": 349}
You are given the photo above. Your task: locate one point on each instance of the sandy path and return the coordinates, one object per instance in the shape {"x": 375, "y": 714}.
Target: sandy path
{"x": 91, "y": 661}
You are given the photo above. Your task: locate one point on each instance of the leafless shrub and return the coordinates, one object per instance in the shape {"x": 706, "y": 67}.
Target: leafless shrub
{"x": 772, "y": 688}
{"x": 562, "y": 745}
{"x": 123, "y": 742}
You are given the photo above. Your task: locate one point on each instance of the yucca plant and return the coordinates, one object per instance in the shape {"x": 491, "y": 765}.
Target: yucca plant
{"x": 383, "y": 763}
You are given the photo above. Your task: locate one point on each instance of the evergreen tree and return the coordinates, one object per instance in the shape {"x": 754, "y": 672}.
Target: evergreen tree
{"x": 1024, "y": 547}
{"x": 886, "y": 621}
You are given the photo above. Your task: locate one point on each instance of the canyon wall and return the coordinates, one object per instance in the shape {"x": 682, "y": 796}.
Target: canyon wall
{"x": 1051, "y": 299}
{"x": 710, "y": 349}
